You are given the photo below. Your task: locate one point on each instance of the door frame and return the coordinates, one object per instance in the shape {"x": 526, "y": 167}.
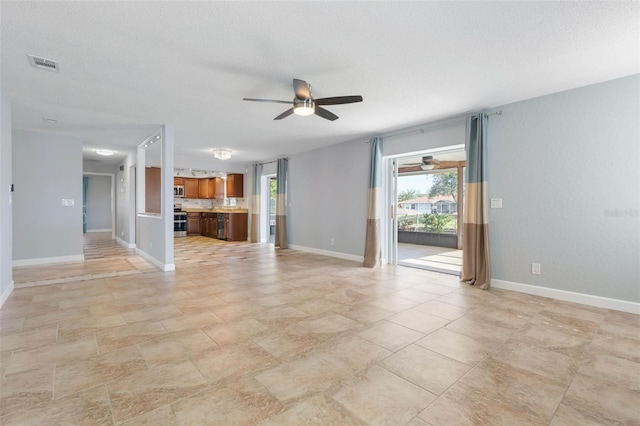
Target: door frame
{"x": 265, "y": 195}
{"x": 112, "y": 193}
{"x": 389, "y": 242}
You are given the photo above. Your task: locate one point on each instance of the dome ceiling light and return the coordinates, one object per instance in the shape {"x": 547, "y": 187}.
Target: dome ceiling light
{"x": 222, "y": 154}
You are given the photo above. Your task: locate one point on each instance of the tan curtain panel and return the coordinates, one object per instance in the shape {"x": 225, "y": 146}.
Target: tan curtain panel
{"x": 372, "y": 242}
{"x": 475, "y": 254}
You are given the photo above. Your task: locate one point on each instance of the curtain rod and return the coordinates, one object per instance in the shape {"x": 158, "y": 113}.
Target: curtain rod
{"x": 271, "y": 162}
{"x": 498, "y": 112}
{"x": 432, "y": 123}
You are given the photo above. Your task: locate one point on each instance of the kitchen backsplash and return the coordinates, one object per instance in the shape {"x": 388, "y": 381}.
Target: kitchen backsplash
{"x": 197, "y": 203}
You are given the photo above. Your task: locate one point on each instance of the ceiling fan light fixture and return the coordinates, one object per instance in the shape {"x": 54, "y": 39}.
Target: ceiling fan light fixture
{"x": 222, "y": 154}
{"x": 427, "y": 167}
{"x": 305, "y": 107}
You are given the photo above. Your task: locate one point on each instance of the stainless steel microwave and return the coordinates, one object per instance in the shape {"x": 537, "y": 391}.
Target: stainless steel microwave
{"x": 178, "y": 191}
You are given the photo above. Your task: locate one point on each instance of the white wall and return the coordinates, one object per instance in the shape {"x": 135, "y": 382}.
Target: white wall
{"x": 46, "y": 169}
{"x": 567, "y": 168}
{"x": 99, "y": 217}
{"x": 6, "y": 216}
{"x": 125, "y": 201}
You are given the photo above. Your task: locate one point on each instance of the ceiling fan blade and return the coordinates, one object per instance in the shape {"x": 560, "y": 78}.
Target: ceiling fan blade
{"x": 301, "y": 88}
{"x": 407, "y": 169}
{"x": 284, "y": 114}
{"x": 449, "y": 164}
{"x": 325, "y": 114}
{"x": 268, "y": 100}
{"x": 338, "y": 100}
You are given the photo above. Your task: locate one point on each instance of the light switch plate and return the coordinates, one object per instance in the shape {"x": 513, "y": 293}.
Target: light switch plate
{"x": 68, "y": 202}
{"x": 496, "y": 203}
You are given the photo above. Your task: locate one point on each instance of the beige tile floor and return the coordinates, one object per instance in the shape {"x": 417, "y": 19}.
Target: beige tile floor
{"x": 244, "y": 334}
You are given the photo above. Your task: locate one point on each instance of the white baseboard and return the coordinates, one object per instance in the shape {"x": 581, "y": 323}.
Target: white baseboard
{"x": 339, "y": 255}
{"x": 47, "y": 260}
{"x": 569, "y": 296}
{"x": 5, "y": 294}
{"x": 98, "y": 230}
{"x": 165, "y": 267}
{"x": 125, "y": 244}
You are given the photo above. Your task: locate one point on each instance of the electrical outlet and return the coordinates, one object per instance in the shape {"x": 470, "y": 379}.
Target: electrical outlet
{"x": 535, "y": 268}
{"x": 332, "y": 241}
{"x": 496, "y": 203}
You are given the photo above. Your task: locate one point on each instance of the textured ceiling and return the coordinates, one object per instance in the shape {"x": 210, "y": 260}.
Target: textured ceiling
{"x": 126, "y": 67}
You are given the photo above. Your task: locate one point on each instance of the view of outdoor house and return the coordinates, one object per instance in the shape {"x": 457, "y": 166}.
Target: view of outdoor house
{"x": 413, "y": 213}
{"x": 428, "y": 203}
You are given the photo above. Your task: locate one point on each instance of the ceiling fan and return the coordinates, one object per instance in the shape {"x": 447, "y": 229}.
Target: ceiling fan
{"x": 304, "y": 104}
{"x": 428, "y": 163}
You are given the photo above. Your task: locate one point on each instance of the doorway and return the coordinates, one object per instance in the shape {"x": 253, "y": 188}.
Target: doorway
{"x": 426, "y": 193}
{"x": 271, "y": 213}
{"x": 98, "y": 203}
{"x": 268, "y": 208}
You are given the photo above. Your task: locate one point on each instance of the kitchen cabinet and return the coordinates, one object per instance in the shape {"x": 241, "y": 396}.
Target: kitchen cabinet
{"x": 235, "y": 185}
{"x": 209, "y": 225}
{"x": 237, "y": 226}
{"x": 178, "y": 181}
{"x": 206, "y": 188}
{"x": 190, "y": 188}
{"x": 152, "y": 183}
{"x": 193, "y": 223}
{"x": 218, "y": 188}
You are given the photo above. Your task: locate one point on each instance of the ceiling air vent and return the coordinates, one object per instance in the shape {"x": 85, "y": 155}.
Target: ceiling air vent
{"x": 43, "y": 64}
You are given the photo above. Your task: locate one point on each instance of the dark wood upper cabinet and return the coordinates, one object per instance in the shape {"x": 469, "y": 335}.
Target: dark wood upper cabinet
{"x": 191, "y": 188}
{"x": 218, "y": 187}
{"x": 235, "y": 185}
{"x": 206, "y": 188}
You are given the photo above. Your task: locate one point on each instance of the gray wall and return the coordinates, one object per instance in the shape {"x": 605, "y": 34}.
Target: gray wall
{"x": 6, "y": 217}
{"x": 327, "y": 197}
{"x": 567, "y": 167}
{"x": 155, "y": 233}
{"x": 46, "y": 169}
{"x": 98, "y": 203}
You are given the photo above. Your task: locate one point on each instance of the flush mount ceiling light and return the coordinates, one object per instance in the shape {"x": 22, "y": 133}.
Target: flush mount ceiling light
{"x": 222, "y": 154}
{"x": 305, "y": 107}
{"x": 105, "y": 152}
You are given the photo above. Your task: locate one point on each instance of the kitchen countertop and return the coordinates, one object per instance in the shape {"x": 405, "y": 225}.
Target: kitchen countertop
{"x": 216, "y": 210}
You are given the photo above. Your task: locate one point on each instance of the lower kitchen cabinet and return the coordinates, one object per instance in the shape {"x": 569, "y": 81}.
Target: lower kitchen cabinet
{"x": 237, "y": 226}
{"x": 193, "y": 223}
{"x": 209, "y": 225}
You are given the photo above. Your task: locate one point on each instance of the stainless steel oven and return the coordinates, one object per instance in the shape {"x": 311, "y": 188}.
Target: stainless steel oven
{"x": 179, "y": 221}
